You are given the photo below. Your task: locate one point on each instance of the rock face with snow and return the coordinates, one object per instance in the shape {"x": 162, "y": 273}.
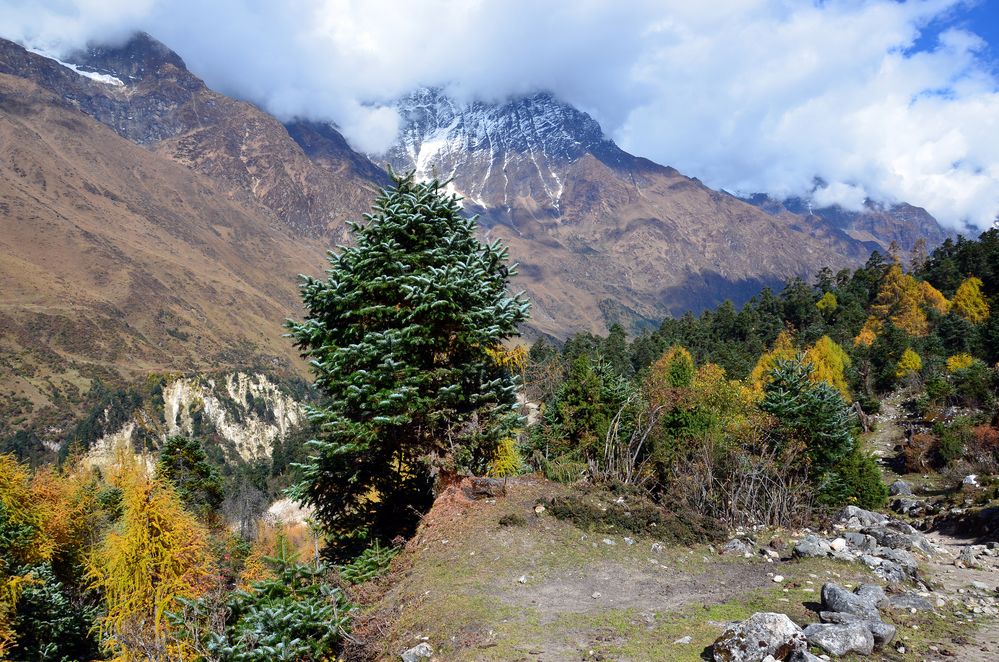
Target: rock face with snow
{"x": 603, "y": 236}
{"x": 145, "y": 93}
{"x": 498, "y": 154}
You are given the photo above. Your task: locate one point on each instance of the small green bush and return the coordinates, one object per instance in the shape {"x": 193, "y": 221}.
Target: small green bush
{"x": 954, "y": 438}
{"x": 296, "y": 615}
{"x": 869, "y": 404}
{"x": 856, "y": 480}
{"x": 939, "y": 389}
{"x": 623, "y": 511}
{"x": 564, "y": 470}
{"x": 369, "y": 564}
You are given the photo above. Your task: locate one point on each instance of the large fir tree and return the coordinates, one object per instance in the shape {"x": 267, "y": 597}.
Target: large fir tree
{"x": 398, "y": 337}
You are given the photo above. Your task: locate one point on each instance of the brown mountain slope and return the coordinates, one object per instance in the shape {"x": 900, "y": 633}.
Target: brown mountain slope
{"x": 635, "y": 243}
{"x": 115, "y": 260}
{"x": 247, "y": 152}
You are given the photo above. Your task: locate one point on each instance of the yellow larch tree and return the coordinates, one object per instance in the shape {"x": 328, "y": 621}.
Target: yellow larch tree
{"x": 959, "y": 362}
{"x": 506, "y": 460}
{"x": 969, "y": 302}
{"x": 933, "y": 298}
{"x": 783, "y": 350}
{"x": 900, "y": 300}
{"x": 21, "y": 522}
{"x": 827, "y": 304}
{"x": 829, "y": 362}
{"x": 729, "y": 401}
{"x": 910, "y": 364}
{"x": 157, "y": 553}
{"x": 868, "y": 333}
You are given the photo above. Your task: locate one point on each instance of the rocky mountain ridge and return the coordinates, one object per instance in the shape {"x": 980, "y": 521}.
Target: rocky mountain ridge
{"x": 604, "y": 236}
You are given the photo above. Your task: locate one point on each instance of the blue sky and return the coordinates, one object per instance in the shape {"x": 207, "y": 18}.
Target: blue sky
{"x": 889, "y": 100}
{"x": 980, "y": 17}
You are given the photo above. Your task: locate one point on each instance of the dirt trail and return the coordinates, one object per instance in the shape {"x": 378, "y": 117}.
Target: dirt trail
{"x": 947, "y": 579}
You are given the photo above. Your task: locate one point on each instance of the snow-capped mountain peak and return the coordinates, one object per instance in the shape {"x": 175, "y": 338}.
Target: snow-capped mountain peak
{"x": 495, "y": 152}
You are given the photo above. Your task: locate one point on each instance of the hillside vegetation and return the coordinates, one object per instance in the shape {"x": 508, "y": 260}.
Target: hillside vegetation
{"x": 657, "y": 490}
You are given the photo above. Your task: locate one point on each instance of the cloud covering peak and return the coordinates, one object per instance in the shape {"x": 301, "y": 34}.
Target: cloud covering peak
{"x": 894, "y": 101}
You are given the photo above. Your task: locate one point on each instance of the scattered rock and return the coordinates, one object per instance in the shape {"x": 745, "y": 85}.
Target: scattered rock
{"x": 981, "y": 586}
{"x": 812, "y": 546}
{"x": 882, "y": 632}
{"x": 910, "y": 601}
{"x": 522, "y": 579}
{"x": 860, "y": 541}
{"x": 736, "y": 546}
{"x": 658, "y": 548}
{"x": 858, "y": 518}
{"x": 418, "y": 653}
{"x": 683, "y": 640}
{"x": 908, "y": 506}
{"x": 967, "y": 558}
{"x": 804, "y": 656}
{"x": 888, "y": 537}
{"x": 899, "y": 556}
{"x": 838, "y": 545}
{"x": 760, "y": 635}
{"x": 595, "y": 595}
{"x": 778, "y": 579}
{"x": 874, "y": 594}
{"x": 837, "y": 598}
{"x": 900, "y": 488}
{"x": 840, "y": 639}
{"x": 971, "y": 480}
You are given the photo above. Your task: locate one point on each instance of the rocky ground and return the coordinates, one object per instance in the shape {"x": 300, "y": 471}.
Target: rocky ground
{"x": 493, "y": 577}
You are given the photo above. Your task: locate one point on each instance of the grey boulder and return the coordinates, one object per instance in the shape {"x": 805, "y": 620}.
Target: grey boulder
{"x": 910, "y": 601}
{"x": 812, "y": 546}
{"x": 418, "y": 653}
{"x": 837, "y": 598}
{"x": 760, "y": 635}
{"x": 840, "y": 639}
{"x": 900, "y": 488}
{"x": 882, "y": 632}
{"x": 858, "y": 518}
{"x": 737, "y": 546}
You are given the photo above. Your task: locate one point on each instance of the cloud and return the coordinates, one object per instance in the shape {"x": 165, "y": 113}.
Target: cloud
{"x": 876, "y": 98}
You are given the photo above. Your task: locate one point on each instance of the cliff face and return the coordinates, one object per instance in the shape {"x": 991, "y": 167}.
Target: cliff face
{"x": 245, "y": 414}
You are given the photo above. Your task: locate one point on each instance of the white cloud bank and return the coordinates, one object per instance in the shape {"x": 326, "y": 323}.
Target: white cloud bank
{"x": 748, "y": 95}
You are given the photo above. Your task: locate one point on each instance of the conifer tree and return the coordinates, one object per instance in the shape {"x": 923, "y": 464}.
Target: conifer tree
{"x": 399, "y": 338}
{"x": 969, "y": 302}
{"x": 185, "y": 465}
{"x": 817, "y": 416}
